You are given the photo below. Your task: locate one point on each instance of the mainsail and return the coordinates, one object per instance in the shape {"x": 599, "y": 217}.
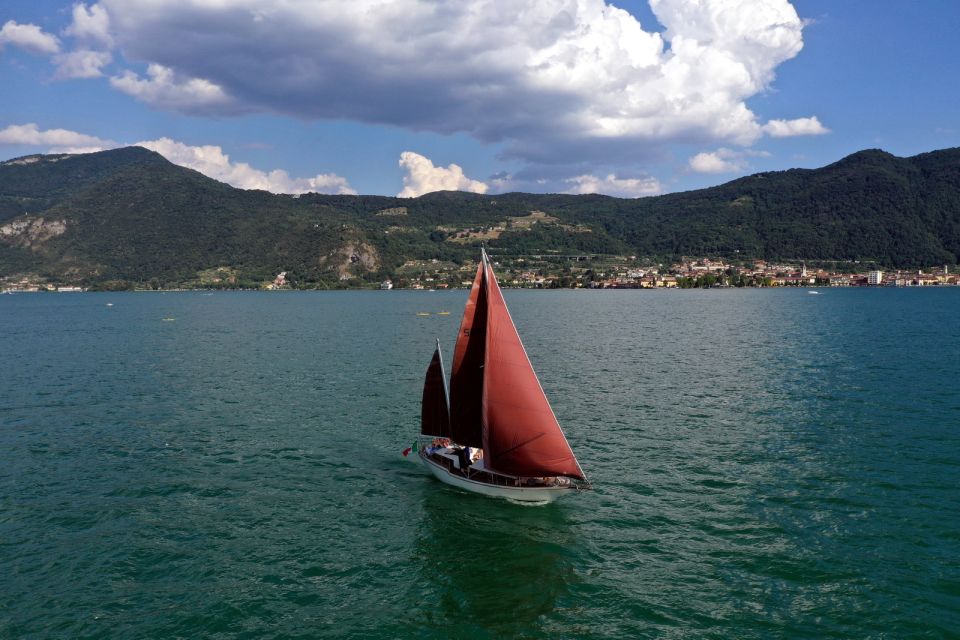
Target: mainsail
{"x": 466, "y": 377}
{"x": 521, "y": 435}
{"x": 435, "y": 410}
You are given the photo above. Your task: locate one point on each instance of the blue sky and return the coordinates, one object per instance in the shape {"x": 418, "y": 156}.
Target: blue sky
{"x": 382, "y": 97}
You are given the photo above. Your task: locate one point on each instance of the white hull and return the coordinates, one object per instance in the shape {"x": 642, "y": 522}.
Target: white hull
{"x": 518, "y": 494}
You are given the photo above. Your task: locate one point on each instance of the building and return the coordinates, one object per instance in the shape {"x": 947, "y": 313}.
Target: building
{"x": 875, "y": 277}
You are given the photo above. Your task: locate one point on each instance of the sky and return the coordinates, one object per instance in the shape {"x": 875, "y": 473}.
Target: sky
{"x": 404, "y": 97}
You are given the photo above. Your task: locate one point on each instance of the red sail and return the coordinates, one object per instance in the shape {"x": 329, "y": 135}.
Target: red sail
{"x": 521, "y": 435}
{"x": 466, "y": 377}
{"x": 434, "y": 412}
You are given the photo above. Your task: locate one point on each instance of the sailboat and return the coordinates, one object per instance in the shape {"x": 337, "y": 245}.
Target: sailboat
{"x": 491, "y": 430}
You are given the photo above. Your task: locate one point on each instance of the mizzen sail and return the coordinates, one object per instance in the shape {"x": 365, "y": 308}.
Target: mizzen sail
{"x": 434, "y": 409}
{"x": 521, "y": 435}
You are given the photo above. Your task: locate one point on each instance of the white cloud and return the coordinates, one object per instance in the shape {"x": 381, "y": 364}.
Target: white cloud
{"x": 724, "y": 160}
{"x": 798, "y": 127}
{"x": 422, "y": 177}
{"x": 91, "y": 25}
{"x": 712, "y": 162}
{"x": 82, "y": 63}
{"x": 549, "y": 79}
{"x": 719, "y": 161}
{"x": 60, "y": 139}
{"x": 165, "y": 89}
{"x": 28, "y": 37}
{"x": 614, "y": 186}
{"x": 211, "y": 161}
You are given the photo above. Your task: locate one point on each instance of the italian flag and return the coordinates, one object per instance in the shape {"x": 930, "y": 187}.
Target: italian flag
{"x": 407, "y": 451}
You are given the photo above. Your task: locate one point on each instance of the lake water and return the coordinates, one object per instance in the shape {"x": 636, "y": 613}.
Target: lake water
{"x": 766, "y": 463}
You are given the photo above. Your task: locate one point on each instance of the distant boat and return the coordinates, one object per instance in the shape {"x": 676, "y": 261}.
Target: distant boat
{"x": 443, "y": 313}
{"x": 492, "y": 431}
{"x": 814, "y": 293}
{"x": 422, "y": 313}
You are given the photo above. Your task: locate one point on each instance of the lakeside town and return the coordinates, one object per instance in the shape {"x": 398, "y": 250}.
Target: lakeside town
{"x": 590, "y": 272}
{"x": 621, "y": 272}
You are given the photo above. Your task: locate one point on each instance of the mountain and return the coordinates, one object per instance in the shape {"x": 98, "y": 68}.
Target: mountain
{"x": 32, "y": 184}
{"x": 128, "y": 216}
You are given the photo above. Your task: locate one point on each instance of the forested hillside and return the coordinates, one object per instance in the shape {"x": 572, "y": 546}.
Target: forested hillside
{"x": 129, "y": 217}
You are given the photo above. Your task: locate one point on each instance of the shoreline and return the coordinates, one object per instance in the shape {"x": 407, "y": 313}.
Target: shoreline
{"x": 809, "y": 288}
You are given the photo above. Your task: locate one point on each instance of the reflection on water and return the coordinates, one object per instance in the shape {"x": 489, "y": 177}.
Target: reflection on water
{"x": 493, "y": 569}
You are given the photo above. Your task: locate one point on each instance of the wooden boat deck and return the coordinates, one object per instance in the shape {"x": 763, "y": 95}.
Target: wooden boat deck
{"x": 449, "y": 460}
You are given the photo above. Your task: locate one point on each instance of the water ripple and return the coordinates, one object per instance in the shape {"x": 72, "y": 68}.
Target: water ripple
{"x": 763, "y": 467}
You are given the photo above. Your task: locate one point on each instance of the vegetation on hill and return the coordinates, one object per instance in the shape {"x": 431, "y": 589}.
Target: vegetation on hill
{"x": 127, "y": 217}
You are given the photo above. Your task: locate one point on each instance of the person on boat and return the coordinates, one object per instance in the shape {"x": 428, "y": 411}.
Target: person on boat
{"x": 464, "y": 455}
{"x": 436, "y": 444}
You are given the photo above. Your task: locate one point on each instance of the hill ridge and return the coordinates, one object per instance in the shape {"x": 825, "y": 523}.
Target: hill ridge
{"x": 130, "y": 216}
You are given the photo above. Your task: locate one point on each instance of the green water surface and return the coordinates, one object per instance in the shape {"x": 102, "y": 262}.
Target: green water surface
{"x": 767, "y": 464}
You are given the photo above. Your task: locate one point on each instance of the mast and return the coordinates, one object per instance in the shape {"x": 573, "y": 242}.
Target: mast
{"x": 521, "y": 435}
{"x": 443, "y": 376}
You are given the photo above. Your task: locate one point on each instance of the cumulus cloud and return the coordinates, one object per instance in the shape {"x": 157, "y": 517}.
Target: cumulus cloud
{"x": 545, "y": 78}
{"x": 28, "y": 37}
{"x": 60, "y": 140}
{"x": 715, "y": 162}
{"x": 724, "y": 160}
{"x": 614, "y": 186}
{"x": 422, "y": 177}
{"x": 798, "y": 127}
{"x": 209, "y": 160}
{"x": 167, "y": 89}
{"x": 91, "y": 25}
{"x": 82, "y": 63}
{"x": 577, "y": 179}
{"x": 421, "y": 174}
